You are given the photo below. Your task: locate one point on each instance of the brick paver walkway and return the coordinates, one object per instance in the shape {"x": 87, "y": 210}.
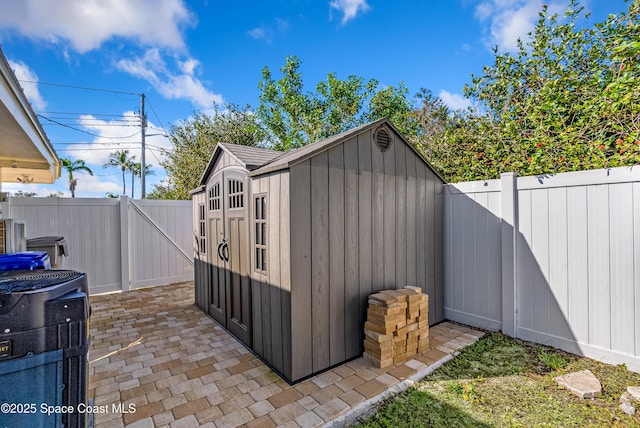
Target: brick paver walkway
{"x": 154, "y": 350}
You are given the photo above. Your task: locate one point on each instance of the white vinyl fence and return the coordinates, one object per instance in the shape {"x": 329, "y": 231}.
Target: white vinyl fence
{"x": 551, "y": 259}
{"x": 120, "y": 243}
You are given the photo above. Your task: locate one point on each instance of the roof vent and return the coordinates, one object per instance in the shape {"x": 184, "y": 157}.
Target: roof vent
{"x": 382, "y": 137}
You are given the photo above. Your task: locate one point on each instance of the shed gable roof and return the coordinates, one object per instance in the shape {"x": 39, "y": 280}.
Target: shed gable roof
{"x": 260, "y": 161}
{"x": 303, "y": 153}
{"x": 250, "y": 157}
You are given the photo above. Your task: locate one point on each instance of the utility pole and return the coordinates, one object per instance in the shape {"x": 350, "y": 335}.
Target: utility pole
{"x": 143, "y": 127}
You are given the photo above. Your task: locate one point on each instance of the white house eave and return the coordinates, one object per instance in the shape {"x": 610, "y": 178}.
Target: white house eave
{"x": 25, "y": 150}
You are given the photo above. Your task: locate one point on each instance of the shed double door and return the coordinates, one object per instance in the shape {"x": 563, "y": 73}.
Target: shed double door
{"x": 230, "y": 287}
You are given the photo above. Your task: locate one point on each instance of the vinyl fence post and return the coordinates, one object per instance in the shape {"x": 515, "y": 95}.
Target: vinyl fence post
{"x": 509, "y": 230}
{"x": 124, "y": 243}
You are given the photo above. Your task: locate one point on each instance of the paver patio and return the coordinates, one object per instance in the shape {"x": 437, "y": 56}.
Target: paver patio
{"x": 153, "y": 349}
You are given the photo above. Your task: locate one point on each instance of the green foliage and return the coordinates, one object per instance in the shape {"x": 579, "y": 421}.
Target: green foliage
{"x": 135, "y": 168}
{"x": 120, "y": 159}
{"x": 552, "y": 360}
{"x": 72, "y": 166}
{"x": 416, "y": 408}
{"x": 499, "y": 381}
{"x": 23, "y": 194}
{"x": 194, "y": 141}
{"x": 569, "y": 99}
{"x": 295, "y": 117}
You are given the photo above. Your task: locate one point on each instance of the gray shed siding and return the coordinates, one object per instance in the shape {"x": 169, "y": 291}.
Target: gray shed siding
{"x": 200, "y": 266}
{"x": 271, "y": 293}
{"x": 361, "y": 221}
{"x": 343, "y": 220}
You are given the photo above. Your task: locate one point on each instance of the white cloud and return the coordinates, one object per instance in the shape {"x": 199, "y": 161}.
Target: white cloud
{"x": 41, "y": 190}
{"x": 349, "y": 8}
{"x": 454, "y": 101}
{"x": 182, "y": 85}
{"x": 23, "y": 72}
{"x": 258, "y": 33}
{"x": 189, "y": 66}
{"x": 110, "y": 139}
{"x": 510, "y": 20}
{"x": 85, "y": 25}
{"x": 268, "y": 32}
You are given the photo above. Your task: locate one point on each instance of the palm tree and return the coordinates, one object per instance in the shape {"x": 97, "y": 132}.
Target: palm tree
{"x": 120, "y": 159}
{"x": 71, "y": 167}
{"x": 135, "y": 172}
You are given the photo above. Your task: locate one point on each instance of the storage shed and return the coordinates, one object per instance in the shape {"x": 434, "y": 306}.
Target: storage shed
{"x": 290, "y": 245}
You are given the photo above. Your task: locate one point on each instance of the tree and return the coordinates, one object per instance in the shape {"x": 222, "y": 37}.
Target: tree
{"x": 295, "y": 117}
{"x": 135, "y": 169}
{"x": 194, "y": 141}
{"x": 569, "y": 99}
{"x": 77, "y": 165}
{"x": 22, "y": 194}
{"x": 120, "y": 159}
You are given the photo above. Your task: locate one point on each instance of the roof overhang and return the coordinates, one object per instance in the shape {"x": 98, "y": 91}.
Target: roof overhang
{"x": 217, "y": 152}
{"x": 26, "y": 154}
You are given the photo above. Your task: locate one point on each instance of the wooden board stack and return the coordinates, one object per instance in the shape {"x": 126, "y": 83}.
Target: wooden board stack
{"x": 397, "y": 326}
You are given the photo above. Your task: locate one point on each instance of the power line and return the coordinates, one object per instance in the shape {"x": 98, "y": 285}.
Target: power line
{"x": 94, "y": 149}
{"x": 117, "y": 146}
{"x": 111, "y": 143}
{"x": 93, "y": 119}
{"x": 86, "y": 88}
{"x": 76, "y": 113}
{"x": 154, "y": 155}
{"x": 83, "y": 131}
{"x": 159, "y": 148}
{"x": 68, "y": 124}
{"x": 105, "y": 143}
{"x": 157, "y": 117}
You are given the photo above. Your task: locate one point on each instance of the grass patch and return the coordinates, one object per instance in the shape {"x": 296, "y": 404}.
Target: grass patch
{"x": 499, "y": 381}
{"x": 552, "y": 360}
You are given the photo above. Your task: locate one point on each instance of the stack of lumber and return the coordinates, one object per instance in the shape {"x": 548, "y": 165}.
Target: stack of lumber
{"x": 397, "y": 326}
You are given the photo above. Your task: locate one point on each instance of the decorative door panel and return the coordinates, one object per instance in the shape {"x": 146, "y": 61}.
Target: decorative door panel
{"x": 229, "y": 256}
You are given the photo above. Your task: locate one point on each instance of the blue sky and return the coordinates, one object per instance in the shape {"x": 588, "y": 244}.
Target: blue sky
{"x": 187, "y": 55}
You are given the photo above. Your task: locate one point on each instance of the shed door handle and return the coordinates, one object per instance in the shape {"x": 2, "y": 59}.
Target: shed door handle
{"x": 222, "y": 247}
{"x": 225, "y": 250}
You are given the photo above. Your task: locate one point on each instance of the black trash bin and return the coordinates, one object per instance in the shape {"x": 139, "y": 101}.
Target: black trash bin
{"x": 55, "y": 246}
{"x": 44, "y": 342}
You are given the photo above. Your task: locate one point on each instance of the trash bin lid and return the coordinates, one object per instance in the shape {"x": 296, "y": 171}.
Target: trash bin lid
{"x": 24, "y": 255}
{"x": 45, "y": 240}
{"x": 17, "y": 281}
{"x": 25, "y": 261}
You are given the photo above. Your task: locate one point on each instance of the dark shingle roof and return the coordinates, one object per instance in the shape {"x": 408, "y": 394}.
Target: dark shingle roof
{"x": 252, "y": 157}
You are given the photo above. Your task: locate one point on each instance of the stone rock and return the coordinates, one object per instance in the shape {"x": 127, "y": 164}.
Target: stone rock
{"x": 583, "y": 383}
{"x": 627, "y": 408}
{"x": 625, "y": 398}
{"x": 634, "y": 391}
